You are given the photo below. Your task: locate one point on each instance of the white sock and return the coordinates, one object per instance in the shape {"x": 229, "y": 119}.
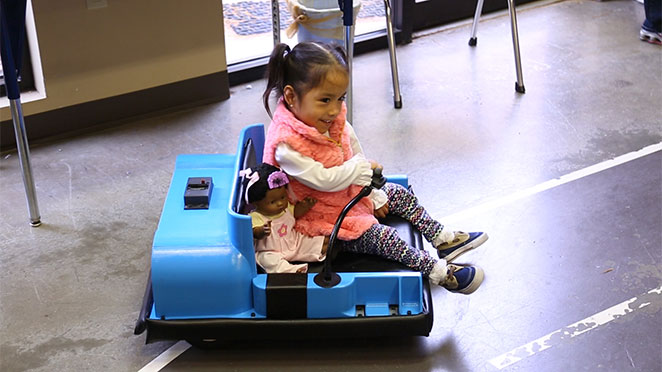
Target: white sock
{"x": 444, "y": 236}
{"x": 439, "y": 272}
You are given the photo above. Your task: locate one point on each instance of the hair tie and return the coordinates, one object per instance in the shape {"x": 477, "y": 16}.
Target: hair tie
{"x": 252, "y": 177}
{"x": 277, "y": 179}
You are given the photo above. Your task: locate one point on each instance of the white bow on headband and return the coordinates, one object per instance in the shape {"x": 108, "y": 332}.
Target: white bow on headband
{"x": 252, "y": 178}
{"x": 275, "y": 179}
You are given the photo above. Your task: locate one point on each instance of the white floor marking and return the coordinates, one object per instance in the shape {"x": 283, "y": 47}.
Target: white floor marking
{"x": 166, "y": 357}
{"x": 573, "y": 330}
{"x": 177, "y": 349}
{"x": 521, "y": 194}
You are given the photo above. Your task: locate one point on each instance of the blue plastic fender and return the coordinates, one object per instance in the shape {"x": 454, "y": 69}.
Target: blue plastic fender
{"x": 196, "y": 270}
{"x": 375, "y": 293}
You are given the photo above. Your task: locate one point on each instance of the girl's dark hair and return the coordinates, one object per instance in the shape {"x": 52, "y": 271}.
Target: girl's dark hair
{"x": 259, "y": 189}
{"x": 303, "y": 67}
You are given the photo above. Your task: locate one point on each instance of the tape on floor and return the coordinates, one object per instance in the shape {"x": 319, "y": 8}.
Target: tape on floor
{"x": 578, "y": 328}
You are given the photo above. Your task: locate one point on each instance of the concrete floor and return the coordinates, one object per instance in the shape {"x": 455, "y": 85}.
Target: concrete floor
{"x": 474, "y": 149}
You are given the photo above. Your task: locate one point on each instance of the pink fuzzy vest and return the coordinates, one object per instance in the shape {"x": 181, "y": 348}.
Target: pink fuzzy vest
{"x": 333, "y": 151}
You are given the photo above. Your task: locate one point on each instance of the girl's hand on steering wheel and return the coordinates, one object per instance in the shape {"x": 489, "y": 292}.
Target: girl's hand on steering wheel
{"x": 382, "y": 211}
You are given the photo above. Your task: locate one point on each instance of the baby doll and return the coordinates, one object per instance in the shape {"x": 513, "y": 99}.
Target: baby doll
{"x": 277, "y": 244}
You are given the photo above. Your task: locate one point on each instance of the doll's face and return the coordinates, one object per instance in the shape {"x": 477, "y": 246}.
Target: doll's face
{"x": 319, "y": 106}
{"x": 274, "y": 202}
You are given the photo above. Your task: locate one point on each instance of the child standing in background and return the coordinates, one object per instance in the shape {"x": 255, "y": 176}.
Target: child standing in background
{"x": 311, "y": 141}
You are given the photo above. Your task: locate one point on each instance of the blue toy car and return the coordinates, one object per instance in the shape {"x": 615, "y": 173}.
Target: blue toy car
{"x": 205, "y": 287}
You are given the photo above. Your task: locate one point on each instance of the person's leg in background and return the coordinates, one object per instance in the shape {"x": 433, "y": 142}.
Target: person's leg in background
{"x": 651, "y": 29}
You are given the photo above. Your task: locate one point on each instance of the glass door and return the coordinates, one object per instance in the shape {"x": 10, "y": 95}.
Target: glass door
{"x": 248, "y": 29}
{"x": 248, "y": 26}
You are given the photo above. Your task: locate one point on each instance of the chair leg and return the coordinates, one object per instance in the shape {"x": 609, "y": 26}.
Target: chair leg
{"x": 519, "y": 84}
{"x": 275, "y": 19}
{"x": 24, "y": 160}
{"x": 397, "y": 98}
{"x": 473, "y": 39}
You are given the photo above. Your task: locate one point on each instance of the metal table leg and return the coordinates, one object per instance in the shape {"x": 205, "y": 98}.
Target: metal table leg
{"x": 519, "y": 85}
{"x": 275, "y": 21}
{"x": 397, "y": 98}
{"x": 24, "y": 159}
{"x": 12, "y": 32}
{"x": 473, "y": 40}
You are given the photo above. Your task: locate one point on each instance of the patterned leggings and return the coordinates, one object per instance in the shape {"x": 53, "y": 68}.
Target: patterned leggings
{"x": 384, "y": 241}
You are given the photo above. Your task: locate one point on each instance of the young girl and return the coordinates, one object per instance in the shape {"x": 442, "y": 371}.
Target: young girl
{"x": 311, "y": 141}
{"x": 276, "y": 241}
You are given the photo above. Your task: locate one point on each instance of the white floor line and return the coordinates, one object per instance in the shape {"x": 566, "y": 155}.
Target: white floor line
{"x": 521, "y": 194}
{"x": 576, "y": 329}
{"x": 166, "y": 357}
{"x": 174, "y": 351}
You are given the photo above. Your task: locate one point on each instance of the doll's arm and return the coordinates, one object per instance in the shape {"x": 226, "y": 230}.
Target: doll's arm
{"x": 261, "y": 231}
{"x": 302, "y": 207}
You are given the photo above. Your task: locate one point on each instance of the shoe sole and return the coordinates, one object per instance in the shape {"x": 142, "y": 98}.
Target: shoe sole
{"x": 650, "y": 37}
{"x": 478, "y": 280}
{"x": 469, "y": 246}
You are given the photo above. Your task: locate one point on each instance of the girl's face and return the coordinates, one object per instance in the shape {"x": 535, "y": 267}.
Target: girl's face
{"x": 274, "y": 202}
{"x": 319, "y": 106}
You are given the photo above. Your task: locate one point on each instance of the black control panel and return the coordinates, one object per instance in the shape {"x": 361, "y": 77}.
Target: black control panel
{"x": 198, "y": 193}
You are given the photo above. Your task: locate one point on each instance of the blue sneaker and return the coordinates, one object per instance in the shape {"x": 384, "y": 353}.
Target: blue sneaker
{"x": 463, "y": 279}
{"x": 461, "y": 243}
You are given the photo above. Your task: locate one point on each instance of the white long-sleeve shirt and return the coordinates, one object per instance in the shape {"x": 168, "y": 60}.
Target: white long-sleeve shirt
{"x": 313, "y": 174}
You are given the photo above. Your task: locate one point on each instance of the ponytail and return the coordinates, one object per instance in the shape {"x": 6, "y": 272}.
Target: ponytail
{"x": 276, "y": 70}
